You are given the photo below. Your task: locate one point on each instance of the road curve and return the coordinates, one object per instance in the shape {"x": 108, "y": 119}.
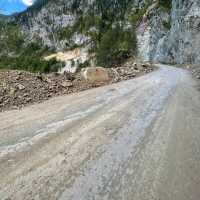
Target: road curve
{"x": 135, "y": 140}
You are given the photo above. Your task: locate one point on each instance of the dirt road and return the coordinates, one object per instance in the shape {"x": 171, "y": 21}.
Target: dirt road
{"x": 135, "y": 140}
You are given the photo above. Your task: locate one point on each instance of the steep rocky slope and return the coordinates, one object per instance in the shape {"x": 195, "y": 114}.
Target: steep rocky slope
{"x": 64, "y": 24}
{"x": 153, "y": 27}
{"x": 98, "y": 27}
{"x": 182, "y": 43}
{"x": 67, "y": 24}
{"x": 45, "y": 19}
{"x": 177, "y": 43}
{"x": 167, "y": 31}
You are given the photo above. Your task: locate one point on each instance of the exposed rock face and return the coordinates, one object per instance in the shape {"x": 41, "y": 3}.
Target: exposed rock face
{"x": 72, "y": 59}
{"x": 150, "y": 31}
{"x": 180, "y": 44}
{"x": 43, "y": 24}
{"x": 163, "y": 36}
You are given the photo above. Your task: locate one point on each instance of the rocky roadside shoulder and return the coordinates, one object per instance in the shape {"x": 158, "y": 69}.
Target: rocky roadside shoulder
{"x": 193, "y": 68}
{"x": 195, "y": 71}
{"x": 20, "y": 88}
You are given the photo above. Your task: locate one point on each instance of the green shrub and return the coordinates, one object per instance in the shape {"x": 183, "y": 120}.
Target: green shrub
{"x": 16, "y": 54}
{"x": 65, "y": 33}
{"x": 83, "y": 65}
{"x": 167, "y": 24}
{"x": 166, "y": 5}
{"x": 29, "y": 63}
{"x": 116, "y": 45}
{"x": 11, "y": 39}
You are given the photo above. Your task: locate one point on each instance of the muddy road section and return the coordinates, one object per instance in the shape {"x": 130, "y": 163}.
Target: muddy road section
{"x": 134, "y": 140}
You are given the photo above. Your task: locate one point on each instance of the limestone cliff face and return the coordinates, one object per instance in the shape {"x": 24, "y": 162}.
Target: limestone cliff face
{"x": 181, "y": 43}
{"x": 44, "y": 23}
{"x": 171, "y": 36}
{"x": 151, "y": 31}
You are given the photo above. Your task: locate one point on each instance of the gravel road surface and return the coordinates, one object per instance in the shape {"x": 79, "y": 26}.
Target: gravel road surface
{"x": 134, "y": 140}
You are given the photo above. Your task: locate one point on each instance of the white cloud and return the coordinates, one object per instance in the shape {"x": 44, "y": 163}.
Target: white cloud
{"x": 25, "y": 2}
{"x": 28, "y": 2}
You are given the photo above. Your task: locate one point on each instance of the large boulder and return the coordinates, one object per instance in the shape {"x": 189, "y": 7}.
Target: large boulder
{"x": 95, "y": 74}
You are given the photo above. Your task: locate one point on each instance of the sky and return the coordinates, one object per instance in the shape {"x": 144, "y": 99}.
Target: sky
{"x": 8, "y": 7}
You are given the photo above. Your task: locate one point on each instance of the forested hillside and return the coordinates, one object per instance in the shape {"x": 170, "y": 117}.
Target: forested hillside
{"x": 104, "y": 28}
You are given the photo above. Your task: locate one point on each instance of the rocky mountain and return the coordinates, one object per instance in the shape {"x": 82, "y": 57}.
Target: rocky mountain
{"x": 45, "y": 21}
{"x": 181, "y": 44}
{"x": 166, "y": 30}
{"x": 172, "y": 37}
{"x": 102, "y": 28}
{"x": 2, "y": 17}
{"x": 64, "y": 24}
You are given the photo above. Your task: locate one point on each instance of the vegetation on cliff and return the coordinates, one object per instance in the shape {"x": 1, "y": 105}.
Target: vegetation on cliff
{"x": 110, "y": 25}
{"x": 16, "y": 54}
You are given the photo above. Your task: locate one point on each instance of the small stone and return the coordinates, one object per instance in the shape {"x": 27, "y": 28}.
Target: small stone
{"x": 188, "y": 67}
{"x": 20, "y": 87}
{"x": 39, "y": 76}
{"x": 198, "y": 77}
{"x": 25, "y": 95}
{"x": 28, "y": 100}
{"x": 66, "y": 84}
{"x": 48, "y": 80}
{"x": 69, "y": 76}
{"x": 144, "y": 65}
{"x": 17, "y": 78}
{"x": 132, "y": 75}
{"x": 12, "y": 91}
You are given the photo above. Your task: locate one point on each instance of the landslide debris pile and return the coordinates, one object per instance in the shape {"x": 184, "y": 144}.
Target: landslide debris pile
{"x": 20, "y": 88}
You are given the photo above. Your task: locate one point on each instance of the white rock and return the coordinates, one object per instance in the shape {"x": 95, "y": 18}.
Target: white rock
{"x": 95, "y": 74}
